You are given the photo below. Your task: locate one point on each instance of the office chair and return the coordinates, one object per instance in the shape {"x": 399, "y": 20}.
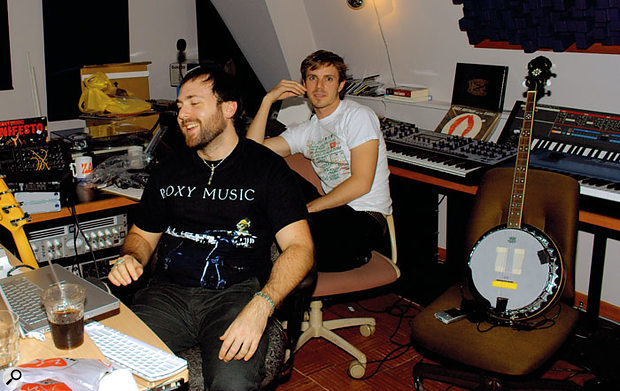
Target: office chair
{"x": 379, "y": 271}
{"x": 505, "y": 357}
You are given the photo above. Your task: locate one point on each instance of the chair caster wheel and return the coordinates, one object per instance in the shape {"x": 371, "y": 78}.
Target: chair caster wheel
{"x": 367, "y": 330}
{"x": 357, "y": 369}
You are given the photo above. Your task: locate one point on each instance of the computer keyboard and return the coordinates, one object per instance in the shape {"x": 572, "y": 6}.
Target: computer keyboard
{"x": 24, "y": 298}
{"x": 144, "y": 360}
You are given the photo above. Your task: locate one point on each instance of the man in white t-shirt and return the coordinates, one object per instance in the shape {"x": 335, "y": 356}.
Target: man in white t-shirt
{"x": 344, "y": 142}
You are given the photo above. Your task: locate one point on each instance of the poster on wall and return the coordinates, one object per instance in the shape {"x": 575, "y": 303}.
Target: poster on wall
{"x": 6, "y": 79}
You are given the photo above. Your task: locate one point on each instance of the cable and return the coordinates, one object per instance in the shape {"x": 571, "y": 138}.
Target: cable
{"x": 400, "y": 311}
{"x": 383, "y": 361}
{"x": 387, "y": 51}
{"x": 78, "y": 231}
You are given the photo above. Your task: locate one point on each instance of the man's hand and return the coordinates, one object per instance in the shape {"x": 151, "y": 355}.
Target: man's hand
{"x": 285, "y": 89}
{"x": 126, "y": 270}
{"x": 241, "y": 339}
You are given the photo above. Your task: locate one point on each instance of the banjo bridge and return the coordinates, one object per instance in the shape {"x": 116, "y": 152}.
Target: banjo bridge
{"x": 504, "y": 284}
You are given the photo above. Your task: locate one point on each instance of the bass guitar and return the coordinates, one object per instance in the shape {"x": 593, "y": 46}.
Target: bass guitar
{"x": 516, "y": 269}
{"x": 13, "y": 218}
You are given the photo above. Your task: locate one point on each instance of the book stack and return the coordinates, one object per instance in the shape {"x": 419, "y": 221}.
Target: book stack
{"x": 407, "y": 94}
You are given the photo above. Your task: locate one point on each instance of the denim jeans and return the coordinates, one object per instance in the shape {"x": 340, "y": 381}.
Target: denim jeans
{"x": 185, "y": 316}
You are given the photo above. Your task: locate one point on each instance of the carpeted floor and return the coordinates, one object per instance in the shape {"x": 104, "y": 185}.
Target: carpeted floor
{"x": 319, "y": 366}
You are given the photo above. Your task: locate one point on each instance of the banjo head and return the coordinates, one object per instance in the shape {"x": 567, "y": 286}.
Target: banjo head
{"x": 519, "y": 272}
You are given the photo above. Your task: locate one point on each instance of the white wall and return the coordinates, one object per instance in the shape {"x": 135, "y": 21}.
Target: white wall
{"x": 250, "y": 24}
{"x": 425, "y": 44}
{"x": 155, "y": 26}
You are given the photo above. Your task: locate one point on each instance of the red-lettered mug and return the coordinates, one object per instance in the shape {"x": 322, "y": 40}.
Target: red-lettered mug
{"x": 82, "y": 168}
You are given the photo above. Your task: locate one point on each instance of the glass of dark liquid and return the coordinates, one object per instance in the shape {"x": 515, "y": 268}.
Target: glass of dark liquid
{"x": 64, "y": 305}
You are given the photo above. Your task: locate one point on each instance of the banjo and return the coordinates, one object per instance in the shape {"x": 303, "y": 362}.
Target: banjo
{"x": 516, "y": 268}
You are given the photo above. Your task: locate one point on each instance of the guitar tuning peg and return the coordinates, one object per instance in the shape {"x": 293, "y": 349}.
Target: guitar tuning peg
{"x": 548, "y": 93}
{"x": 548, "y": 82}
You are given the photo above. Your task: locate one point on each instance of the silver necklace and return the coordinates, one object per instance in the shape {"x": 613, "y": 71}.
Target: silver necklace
{"x": 213, "y": 167}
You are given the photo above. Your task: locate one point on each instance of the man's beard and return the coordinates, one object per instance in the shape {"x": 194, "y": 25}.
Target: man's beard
{"x": 214, "y": 127}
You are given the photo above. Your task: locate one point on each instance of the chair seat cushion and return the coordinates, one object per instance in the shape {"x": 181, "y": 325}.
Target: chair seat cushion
{"x": 502, "y": 349}
{"x": 379, "y": 271}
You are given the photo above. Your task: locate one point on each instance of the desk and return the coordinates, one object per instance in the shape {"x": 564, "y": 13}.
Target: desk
{"x": 602, "y": 226}
{"x": 125, "y": 321}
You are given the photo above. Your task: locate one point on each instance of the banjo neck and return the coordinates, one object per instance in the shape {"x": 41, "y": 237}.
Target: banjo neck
{"x": 517, "y": 194}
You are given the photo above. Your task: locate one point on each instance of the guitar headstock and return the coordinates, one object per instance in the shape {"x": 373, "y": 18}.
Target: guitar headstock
{"x": 538, "y": 74}
{"x": 12, "y": 217}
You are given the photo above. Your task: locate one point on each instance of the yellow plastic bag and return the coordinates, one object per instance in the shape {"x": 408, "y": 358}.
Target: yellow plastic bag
{"x": 100, "y": 96}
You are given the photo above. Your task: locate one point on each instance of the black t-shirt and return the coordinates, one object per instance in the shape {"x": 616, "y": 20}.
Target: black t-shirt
{"x": 219, "y": 234}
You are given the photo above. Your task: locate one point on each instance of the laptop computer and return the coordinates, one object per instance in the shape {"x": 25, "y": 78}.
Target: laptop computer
{"x": 21, "y": 294}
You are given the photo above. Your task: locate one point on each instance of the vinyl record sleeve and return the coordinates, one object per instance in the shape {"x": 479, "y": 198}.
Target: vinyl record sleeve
{"x": 468, "y": 122}
{"x": 480, "y": 86}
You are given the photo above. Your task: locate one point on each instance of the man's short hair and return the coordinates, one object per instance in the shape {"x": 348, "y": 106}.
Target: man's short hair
{"x": 322, "y": 58}
{"x": 225, "y": 86}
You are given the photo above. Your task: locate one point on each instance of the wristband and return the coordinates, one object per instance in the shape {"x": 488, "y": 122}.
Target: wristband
{"x": 266, "y": 297}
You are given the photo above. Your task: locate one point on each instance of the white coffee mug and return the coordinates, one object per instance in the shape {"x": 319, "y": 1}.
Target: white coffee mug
{"x": 82, "y": 168}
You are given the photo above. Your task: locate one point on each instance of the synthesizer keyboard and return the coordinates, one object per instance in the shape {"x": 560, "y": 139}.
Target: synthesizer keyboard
{"x": 455, "y": 156}
{"x": 583, "y": 144}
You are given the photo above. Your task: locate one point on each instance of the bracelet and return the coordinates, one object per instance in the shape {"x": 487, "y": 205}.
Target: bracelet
{"x": 266, "y": 297}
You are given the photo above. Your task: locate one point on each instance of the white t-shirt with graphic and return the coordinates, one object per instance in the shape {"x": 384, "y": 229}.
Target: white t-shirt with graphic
{"x": 327, "y": 142}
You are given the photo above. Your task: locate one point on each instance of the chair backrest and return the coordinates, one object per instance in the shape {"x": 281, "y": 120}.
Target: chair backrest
{"x": 551, "y": 204}
{"x": 299, "y": 163}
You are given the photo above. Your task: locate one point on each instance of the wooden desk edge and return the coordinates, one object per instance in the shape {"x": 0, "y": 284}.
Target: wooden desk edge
{"x": 584, "y": 216}
{"x": 88, "y": 207}
{"x": 599, "y": 220}
{"x": 403, "y": 172}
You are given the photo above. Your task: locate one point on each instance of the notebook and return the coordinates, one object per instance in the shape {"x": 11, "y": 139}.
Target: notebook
{"x": 21, "y": 293}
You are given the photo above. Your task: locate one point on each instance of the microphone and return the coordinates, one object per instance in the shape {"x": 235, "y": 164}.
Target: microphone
{"x": 181, "y": 46}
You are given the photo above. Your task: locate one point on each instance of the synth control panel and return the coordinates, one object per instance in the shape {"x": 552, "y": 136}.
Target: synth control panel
{"x": 566, "y": 125}
{"x": 403, "y": 135}
{"x": 49, "y": 157}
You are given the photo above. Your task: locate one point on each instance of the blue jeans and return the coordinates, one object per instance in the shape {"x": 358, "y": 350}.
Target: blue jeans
{"x": 185, "y": 316}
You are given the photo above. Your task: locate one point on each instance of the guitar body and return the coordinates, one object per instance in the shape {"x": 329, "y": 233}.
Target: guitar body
{"x": 13, "y": 218}
{"x": 518, "y": 271}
